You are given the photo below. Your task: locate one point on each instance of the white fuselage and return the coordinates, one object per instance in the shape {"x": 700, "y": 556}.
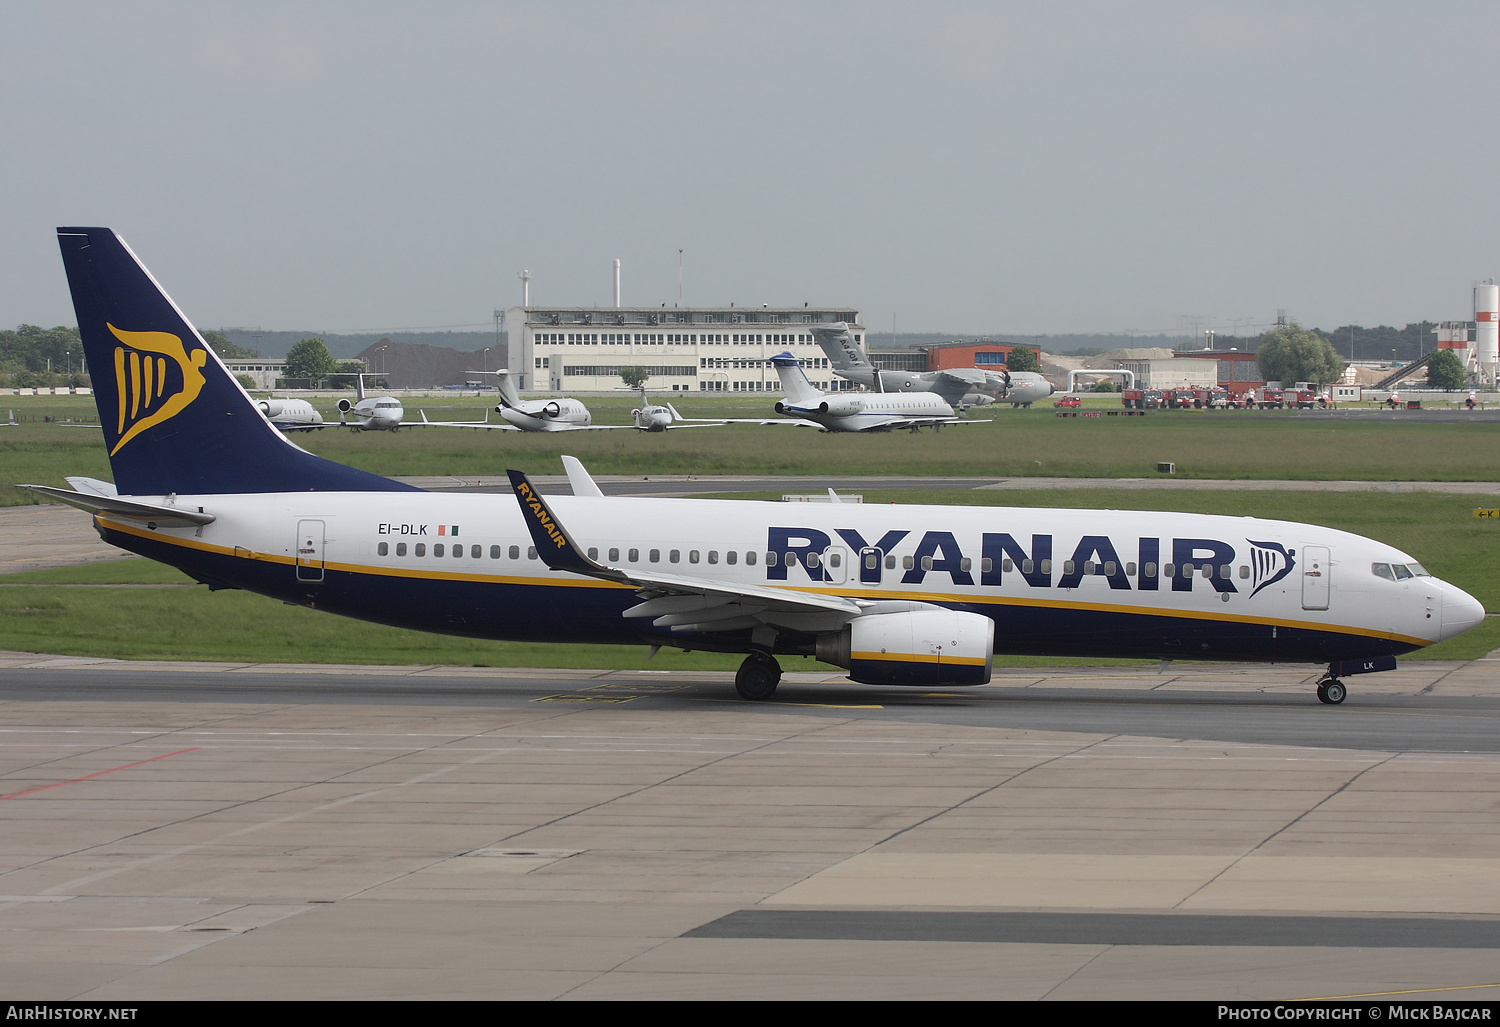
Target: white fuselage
{"x": 382, "y": 413}
{"x": 1060, "y": 582}
{"x": 652, "y": 417}
{"x": 869, "y": 411}
{"x": 547, "y": 414}
{"x": 292, "y": 414}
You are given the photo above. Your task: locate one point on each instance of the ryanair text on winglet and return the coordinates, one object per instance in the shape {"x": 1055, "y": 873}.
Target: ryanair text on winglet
{"x": 540, "y": 513}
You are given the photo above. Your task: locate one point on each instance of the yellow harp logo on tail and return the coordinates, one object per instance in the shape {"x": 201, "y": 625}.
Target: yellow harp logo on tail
{"x": 147, "y": 395}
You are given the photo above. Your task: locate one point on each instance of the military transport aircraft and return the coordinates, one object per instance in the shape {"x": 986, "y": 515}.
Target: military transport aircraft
{"x": 959, "y": 386}
{"x": 900, "y": 595}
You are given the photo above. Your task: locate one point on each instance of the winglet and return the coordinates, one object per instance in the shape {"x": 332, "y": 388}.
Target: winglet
{"x": 552, "y": 542}
{"x": 578, "y": 476}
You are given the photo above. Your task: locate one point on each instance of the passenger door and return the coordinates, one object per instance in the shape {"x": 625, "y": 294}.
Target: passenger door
{"x": 1315, "y": 577}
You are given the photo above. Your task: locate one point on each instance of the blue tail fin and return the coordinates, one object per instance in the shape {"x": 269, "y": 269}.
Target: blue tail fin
{"x": 174, "y": 418}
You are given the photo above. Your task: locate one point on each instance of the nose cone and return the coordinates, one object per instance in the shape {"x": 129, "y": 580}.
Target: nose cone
{"x": 391, "y": 415}
{"x": 1461, "y": 611}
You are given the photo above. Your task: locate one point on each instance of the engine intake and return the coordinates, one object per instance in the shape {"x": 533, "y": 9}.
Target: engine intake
{"x": 917, "y": 647}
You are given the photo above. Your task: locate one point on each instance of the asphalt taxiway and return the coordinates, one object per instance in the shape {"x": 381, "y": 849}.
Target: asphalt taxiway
{"x": 244, "y": 830}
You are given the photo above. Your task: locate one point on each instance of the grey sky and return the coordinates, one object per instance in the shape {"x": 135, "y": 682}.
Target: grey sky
{"x": 970, "y": 167}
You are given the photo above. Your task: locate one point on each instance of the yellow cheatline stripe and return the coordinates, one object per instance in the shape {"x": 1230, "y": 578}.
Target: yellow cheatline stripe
{"x": 926, "y": 597}
{"x": 973, "y": 661}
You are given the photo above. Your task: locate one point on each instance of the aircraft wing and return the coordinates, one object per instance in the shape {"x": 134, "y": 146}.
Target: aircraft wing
{"x": 679, "y": 602}
{"x": 152, "y": 513}
{"x": 481, "y": 425}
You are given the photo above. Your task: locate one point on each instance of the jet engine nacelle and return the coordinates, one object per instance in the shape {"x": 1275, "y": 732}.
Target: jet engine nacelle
{"x": 915, "y": 647}
{"x": 550, "y": 410}
{"x": 841, "y": 407}
{"x": 270, "y": 407}
{"x": 345, "y": 406}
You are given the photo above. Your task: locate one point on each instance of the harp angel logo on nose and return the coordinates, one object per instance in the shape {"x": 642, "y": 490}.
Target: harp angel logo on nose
{"x": 155, "y": 379}
{"x": 1270, "y": 562}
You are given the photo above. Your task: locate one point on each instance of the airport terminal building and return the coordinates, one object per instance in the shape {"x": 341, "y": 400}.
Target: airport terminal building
{"x": 684, "y": 349}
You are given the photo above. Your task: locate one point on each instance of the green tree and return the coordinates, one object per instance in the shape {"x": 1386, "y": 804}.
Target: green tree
{"x": 634, "y": 377}
{"x": 1104, "y": 385}
{"x": 246, "y": 380}
{"x": 1445, "y": 371}
{"x": 309, "y": 360}
{"x": 1291, "y": 353}
{"x": 1023, "y": 358}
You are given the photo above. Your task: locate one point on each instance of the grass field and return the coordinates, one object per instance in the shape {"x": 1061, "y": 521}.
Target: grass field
{"x": 1019, "y": 443}
{"x": 57, "y": 611}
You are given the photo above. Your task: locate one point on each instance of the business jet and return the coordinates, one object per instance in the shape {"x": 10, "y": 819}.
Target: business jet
{"x": 857, "y": 411}
{"x": 370, "y": 413}
{"x": 900, "y": 595}
{"x": 291, "y": 414}
{"x": 958, "y": 386}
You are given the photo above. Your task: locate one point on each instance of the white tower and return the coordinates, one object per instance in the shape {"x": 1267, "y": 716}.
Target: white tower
{"x": 525, "y": 277}
{"x": 617, "y": 283}
{"x": 1487, "y": 327}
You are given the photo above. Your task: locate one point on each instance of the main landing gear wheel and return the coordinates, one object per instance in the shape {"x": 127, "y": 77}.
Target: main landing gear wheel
{"x": 757, "y": 678}
{"x": 1332, "y": 691}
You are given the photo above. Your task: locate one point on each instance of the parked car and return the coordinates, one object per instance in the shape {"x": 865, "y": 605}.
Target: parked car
{"x": 1068, "y": 401}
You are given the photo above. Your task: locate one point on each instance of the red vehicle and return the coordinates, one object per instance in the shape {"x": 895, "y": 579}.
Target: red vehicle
{"x": 1141, "y": 399}
{"x": 1304, "y": 399}
{"x": 1266, "y": 399}
{"x": 1068, "y": 401}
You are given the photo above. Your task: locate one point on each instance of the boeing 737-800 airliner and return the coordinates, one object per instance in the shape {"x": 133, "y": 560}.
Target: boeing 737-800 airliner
{"x": 900, "y": 595}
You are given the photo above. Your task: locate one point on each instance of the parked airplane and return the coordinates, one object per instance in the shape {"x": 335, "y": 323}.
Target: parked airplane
{"x": 370, "y": 413}
{"x": 958, "y": 386}
{"x": 291, "y": 414}
{"x": 900, "y": 595}
{"x": 857, "y": 411}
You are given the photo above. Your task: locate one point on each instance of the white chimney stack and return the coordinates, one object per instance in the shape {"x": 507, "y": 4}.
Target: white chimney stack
{"x": 617, "y": 283}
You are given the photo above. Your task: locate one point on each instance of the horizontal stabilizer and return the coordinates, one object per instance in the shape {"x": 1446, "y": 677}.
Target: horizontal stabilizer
{"x": 163, "y": 515}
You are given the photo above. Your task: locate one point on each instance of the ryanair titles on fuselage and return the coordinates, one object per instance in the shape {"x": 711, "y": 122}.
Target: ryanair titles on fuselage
{"x": 1137, "y": 564}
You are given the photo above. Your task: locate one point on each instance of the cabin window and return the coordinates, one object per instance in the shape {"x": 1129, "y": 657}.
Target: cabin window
{"x": 1006, "y": 565}
{"x": 1109, "y": 568}
{"x": 1224, "y": 571}
{"x": 812, "y": 559}
{"x": 614, "y": 556}
{"x": 791, "y": 559}
{"x": 730, "y": 557}
{"x": 593, "y": 552}
{"x": 633, "y": 556}
{"x": 890, "y": 563}
{"x": 771, "y": 559}
{"x": 515, "y": 552}
{"x": 749, "y": 559}
{"x": 400, "y": 548}
{"x": 713, "y": 556}
{"x": 437, "y": 549}
{"x": 1090, "y": 567}
{"x": 1130, "y": 569}
{"x": 383, "y": 548}
{"x": 692, "y": 556}
{"x": 1244, "y": 570}
{"x": 1187, "y": 570}
{"x": 835, "y": 559}
{"x": 675, "y": 556}
{"x": 1208, "y": 572}
{"x": 420, "y": 549}
{"x": 871, "y": 561}
{"x": 654, "y": 556}
{"x": 986, "y": 565}
{"x": 494, "y": 552}
{"x": 965, "y": 564}
{"x": 531, "y": 552}
{"x": 927, "y": 563}
{"x": 907, "y": 563}
{"x": 475, "y": 551}
{"x": 1167, "y": 570}
{"x": 1068, "y": 566}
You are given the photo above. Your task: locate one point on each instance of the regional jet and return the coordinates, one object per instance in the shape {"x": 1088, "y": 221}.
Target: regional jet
{"x": 291, "y": 414}
{"x": 370, "y": 413}
{"x": 959, "y": 386}
{"x": 899, "y": 595}
{"x": 857, "y": 411}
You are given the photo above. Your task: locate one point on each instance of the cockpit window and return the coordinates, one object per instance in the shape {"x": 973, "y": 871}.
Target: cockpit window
{"x": 1402, "y": 571}
{"x": 1383, "y": 570}
{"x": 1419, "y": 570}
